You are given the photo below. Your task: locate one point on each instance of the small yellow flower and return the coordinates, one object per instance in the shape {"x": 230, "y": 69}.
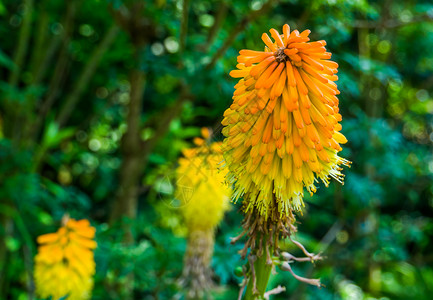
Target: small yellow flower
{"x": 282, "y": 130}
{"x": 200, "y": 187}
{"x": 64, "y": 265}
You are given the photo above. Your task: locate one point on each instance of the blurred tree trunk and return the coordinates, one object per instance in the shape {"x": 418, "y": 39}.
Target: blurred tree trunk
{"x": 132, "y": 164}
{"x": 373, "y": 92}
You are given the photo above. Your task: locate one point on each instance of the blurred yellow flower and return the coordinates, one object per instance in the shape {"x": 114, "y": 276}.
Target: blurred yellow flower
{"x": 282, "y": 130}
{"x": 64, "y": 265}
{"x": 200, "y": 187}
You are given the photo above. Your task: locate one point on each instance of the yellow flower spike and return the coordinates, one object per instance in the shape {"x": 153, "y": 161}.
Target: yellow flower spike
{"x": 284, "y": 118}
{"x": 204, "y": 197}
{"x": 199, "y": 186}
{"x": 64, "y": 265}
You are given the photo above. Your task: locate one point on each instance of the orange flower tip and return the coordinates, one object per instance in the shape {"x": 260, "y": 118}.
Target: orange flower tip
{"x": 237, "y": 73}
{"x": 276, "y": 35}
{"x": 305, "y": 33}
{"x": 289, "y": 52}
{"x": 198, "y": 141}
{"x": 267, "y": 40}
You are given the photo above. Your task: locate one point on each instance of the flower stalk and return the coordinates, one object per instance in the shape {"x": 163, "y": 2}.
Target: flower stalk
{"x": 261, "y": 271}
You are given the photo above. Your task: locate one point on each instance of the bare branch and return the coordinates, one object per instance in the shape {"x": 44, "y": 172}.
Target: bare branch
{"x": 86, "y": 74}
{"x": 300, "y": 246}
{"x": 164, "y": 119}
{"x": 219, "y": 18}
{"x": 59, "y": 75}
{"x": 279, "y": 289}
{"x": 40, "y": 36}
{"x": 23, "y": 42}
{"x": 286, "y": 267}
{"x": 42, "y": 68}
{"x": 290, "y": 258}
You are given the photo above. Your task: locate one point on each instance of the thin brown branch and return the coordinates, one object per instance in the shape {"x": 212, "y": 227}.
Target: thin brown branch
{"x": 86, "y": 74}
{"x": 133, "y": 22}
{"x": 302, "y": 20}
{"x": 219, "y": 18}
{"x": 253, "y": 15}
{"x": 300, "y": 246}
{"x": 392, "y": 23}
{"x": 41, "y": 37}
{"x": 23, "y": 42}
{"x": 324, "y": 243}
{"x": 46, "y": 61}
{"x": 290, "y": 258}
{"x": 286, "y": 267}
{"x": 108, "y": 103}
{"x": 243, "y": 284}
{"x": 164, "y": 119}
{"x": 59, "y": 75}
{"x": 122, "y": 15}
{"x": 184, "y": 25}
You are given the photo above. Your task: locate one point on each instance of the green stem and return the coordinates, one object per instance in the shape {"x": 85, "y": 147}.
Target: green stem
{"x": 262, "y": 272}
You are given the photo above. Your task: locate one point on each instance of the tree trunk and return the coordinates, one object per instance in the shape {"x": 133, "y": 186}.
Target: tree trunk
{"x": 131, "y": 147}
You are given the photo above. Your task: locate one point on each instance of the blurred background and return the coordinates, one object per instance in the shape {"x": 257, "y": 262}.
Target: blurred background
{"x": 98, "y": 98}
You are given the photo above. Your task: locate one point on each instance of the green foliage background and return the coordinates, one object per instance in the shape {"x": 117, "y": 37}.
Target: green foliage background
{"x": 376, "y": 230}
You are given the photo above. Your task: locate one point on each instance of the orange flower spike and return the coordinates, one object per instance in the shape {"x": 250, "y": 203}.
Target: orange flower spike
{"x": 285, "y": 115}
